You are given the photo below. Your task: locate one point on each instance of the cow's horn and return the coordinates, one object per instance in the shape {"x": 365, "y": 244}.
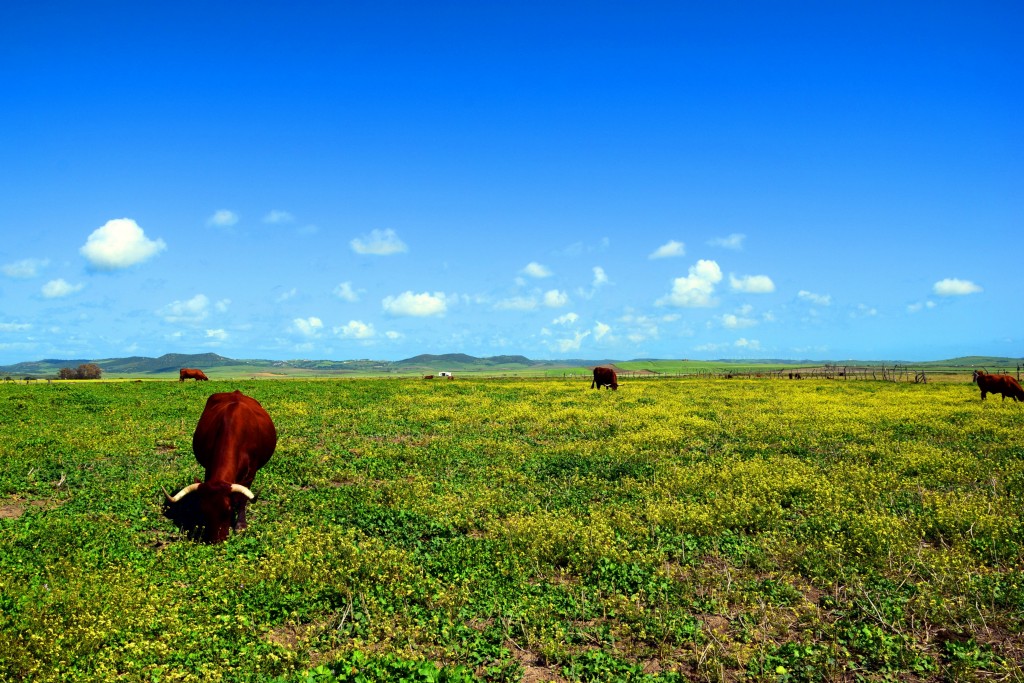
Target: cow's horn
{"x": 238, "y": 488}
{"x": 182, "y": 493}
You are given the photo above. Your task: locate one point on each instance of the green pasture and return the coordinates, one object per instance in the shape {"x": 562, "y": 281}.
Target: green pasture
{"x": 521, "y": 529}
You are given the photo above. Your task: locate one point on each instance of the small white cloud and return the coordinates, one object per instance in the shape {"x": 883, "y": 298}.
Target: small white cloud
{"x": 955, "y": 287}
{"x": 600, "y": 330}
{"x": 217, "y": 335}
{"x": 567, "y": 319}
{"x": 119, "y": 243}
{"x": 390, "y": 334}
{"x": 534, "y": 269}
{"x": 308, "y": 327}
{"x": 554, "y": 298}
{"x": 750, "y": 344}
{"x": 733, "y": 241}
{"x": 284, "y": 296}
{"x": 192, "y": 311}
{"x": 60, "y": 287}
{"x": 600, "y": 278}
{"x": 819, "y": 299}
{"x": 696, "y": 289}
{"x": 516, "y": 303}
{"x": 222, "y": 305}
{"x": 863, "y": 310}
{"x": 276, "y": 217}
{"x": 26, "y": 268}
{"x": 752, "y": 284}
{"x": 14, "y": 327}
{"x": 379, "y": 243}
{"x": 222, "y": 219}
{"x": 419, "y": 305}
{"x": 735, "y": 322}
{"x": 668, "y": 250}
{"x": 356, "y": 329}
{"x": 345, "y": 292}
{"x": 918, "y": 307}
{"x": 573, "y": 344}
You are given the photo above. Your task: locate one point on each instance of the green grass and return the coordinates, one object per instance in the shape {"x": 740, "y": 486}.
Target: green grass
{"x": 759, "y": 530}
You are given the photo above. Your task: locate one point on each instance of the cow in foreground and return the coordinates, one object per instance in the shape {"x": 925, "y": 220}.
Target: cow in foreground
{"x": 604, "y": 377}
{"x": 235, "y": 437}
{"x": 998, "y": 384}
{"x": 192, "y": 373}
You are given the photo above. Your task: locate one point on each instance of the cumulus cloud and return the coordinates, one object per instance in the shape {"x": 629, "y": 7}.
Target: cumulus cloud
{"x": 516, "y": 303}
{"x": 25, "y": 268}
{"x": 60, "y": 287}
{"x": 819, "y": 299}
{"x": 696, "y": 289}
{"x": 918, "y": 307}
{"x": 749, "y": 344}
{"x": 356, "y": 329}
{"x": 308, "y": 327}
{"x": 600, "y": 330}
{"x": 735, "y": 322}
{"x": 217, "y": 335}
{"x": 393, "y": 335}
{"x": 120, "y": 243}
{"x": 419, "y": 305}
{"x": 955, "y": 287}
{"x": 567, "y": 319}
{"x": 345, "y": 292}
{"x": 573, "y": 344}
{"x": 379, "y": 243}
{"x": 668, "y": 250}
{"x": 534, "y": 269}
{"x": 600, "y": 278}
{"x": 222, "y": 219}
{"x": 276, "y": 217}
{"x": 554, "y": 298}
{"x": 752, "y": 284}
{"x": 192, "y": 311}
{"x": 733, "y": 241}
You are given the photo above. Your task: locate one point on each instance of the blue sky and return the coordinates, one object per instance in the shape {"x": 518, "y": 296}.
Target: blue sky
{"x": 558, "y": 180}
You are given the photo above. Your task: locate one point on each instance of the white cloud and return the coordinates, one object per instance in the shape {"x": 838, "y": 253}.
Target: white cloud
{"x": 534, "y": 269}
{"x": 734, "y": 322}
{"x": 752, "y": 284}
{"x": 573, "y": 344}
{"x": 26, "y": 268}
{"x": 222, "y": 305}
{"x": 567, "y": 319}
{"x": 277, "y": 217}
{"x": 222, "y": 219}
{"x": 600, "y": 278}
{"x": 819, "y": 299}
{"x": 863, "y": 310}
{"x": 750, "y": 344}
{"x": 420, "y": 305}
{"x": 516, "y": 303}
{"x": 393, "y": 335}
{"x": 669, "y": 249}
{"x": 14, "y": 327}
{"x": 60, "y": 287}
{"x": 554, "y": 298}
{"x": 379, "y": 243}
{"x": 217, "y": 335}
{"x": 284, "y": 296}
{"x": 308, "y": 327}
{"x": 917, "y": 307}
{"x": 733, "y": 241}
{"x": 600, "y": 330}
{"x": 696, "y": 289}
{"x": 356, "y": 329}
{"x": 344, "y": 291}
{"x": 955, "y": 287}
{"x": 119, "y": 243}
{"x": 192, "y": 311}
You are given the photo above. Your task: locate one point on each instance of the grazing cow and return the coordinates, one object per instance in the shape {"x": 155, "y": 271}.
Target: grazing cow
{"x": 192, "y": 373}
{"x": 428, "y": 377}
{"x": 604, "y": 377}
{"x": 1005, "y": 385}
{"x": 235, "y": 437}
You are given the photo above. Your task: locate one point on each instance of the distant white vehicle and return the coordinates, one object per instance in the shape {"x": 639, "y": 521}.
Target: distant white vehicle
{"x": 445, "y": 374}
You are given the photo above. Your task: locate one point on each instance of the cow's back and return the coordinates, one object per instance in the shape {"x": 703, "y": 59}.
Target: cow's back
{"x": 234, "y": 433}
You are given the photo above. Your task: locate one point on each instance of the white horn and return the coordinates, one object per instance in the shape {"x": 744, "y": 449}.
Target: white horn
{"x": 238, "y": 488}
{"x": 182, "y": 493}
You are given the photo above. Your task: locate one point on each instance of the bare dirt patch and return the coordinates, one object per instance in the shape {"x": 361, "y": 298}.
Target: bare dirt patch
{"x": 16, "y": 508}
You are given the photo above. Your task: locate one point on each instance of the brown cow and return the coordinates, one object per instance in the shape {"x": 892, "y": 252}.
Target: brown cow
{"x": 604, "y": 377}
{"x": 1005, "y": 385}
{"x": 192, "y": 373}
{"x": 235, "y": 437}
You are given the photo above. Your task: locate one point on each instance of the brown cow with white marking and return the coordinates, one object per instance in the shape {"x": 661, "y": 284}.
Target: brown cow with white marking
{"x": 605, "y": 377}
{"x": 235, "y": 437}
{"x": 192, "y": 373}
{"x": 1005, "y": 385}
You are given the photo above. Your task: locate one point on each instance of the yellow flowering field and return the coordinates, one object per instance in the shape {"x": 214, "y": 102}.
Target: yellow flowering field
{"x": 521, "y": 529}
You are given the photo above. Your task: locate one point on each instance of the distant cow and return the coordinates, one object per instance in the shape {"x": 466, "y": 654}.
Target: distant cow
{"x": 1005, "y": 385}
{"x": 604, "y": 377}
{"x": 235, "y": 437}
{"x": 192, "y": 373}
{"x": 428, "y": 377}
